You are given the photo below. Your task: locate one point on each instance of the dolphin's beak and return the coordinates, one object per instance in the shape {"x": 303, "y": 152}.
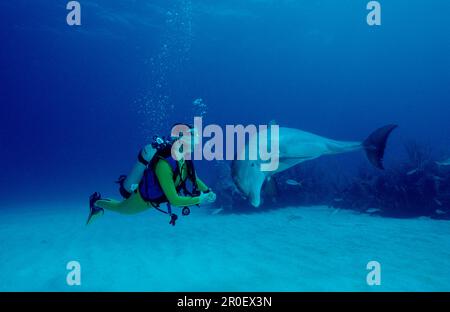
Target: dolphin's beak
{"x": 255, "y": 201}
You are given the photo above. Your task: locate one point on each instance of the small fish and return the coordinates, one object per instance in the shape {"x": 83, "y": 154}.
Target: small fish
{"x": 411, "y": 172}
{"x": 338, "y": 200}
{"x": 217, "y": 211}
{"x": 293, "y": 182}
{"x": 372, "y": 210}
{"x": 444, "y": 162}
{"x": 335, "y": 211}
{"x": 438, "y": 202}
{"x": 436, "y": 178}
{"x": 440, "y": 212}
{"x": 293, "y": 218}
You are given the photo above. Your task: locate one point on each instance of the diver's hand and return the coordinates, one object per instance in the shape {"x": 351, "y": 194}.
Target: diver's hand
{"x": 207, "y": 198}
{"x": 212, "y": 196}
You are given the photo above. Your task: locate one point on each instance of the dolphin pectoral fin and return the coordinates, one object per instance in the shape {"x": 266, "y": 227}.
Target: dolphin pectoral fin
{"x": 294, "y": 158}
{"x": 375, "y": 145}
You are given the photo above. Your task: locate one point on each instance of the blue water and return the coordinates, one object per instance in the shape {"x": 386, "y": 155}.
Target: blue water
{"x": 78, "y": 102}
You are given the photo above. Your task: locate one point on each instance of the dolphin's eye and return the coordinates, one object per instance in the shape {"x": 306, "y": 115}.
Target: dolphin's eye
{"x": 253, "y": 164}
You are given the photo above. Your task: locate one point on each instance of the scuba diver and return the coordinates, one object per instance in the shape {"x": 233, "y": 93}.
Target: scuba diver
{"x": 160, "y": 174}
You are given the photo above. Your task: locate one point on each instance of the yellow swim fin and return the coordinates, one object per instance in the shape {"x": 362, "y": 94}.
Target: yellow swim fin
{"x": 94, "y": 211}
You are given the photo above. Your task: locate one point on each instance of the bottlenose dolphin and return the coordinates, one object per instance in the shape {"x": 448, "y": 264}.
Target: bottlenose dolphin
{"x": 444, "y": 162}
{"x": 297, "y": 146}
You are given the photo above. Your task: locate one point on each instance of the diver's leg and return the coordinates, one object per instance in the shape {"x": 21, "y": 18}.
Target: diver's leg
{"x": 133, "y": 205}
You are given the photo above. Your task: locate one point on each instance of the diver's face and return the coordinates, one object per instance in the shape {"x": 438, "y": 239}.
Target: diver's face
{"x": 190, "y": 140}
{"x": 185, "y": 141}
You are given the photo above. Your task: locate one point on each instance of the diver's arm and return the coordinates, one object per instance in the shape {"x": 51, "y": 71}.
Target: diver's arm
{"x": 201, "y": 185}
{"x": 165, "y": 177}
{"x": 206, "y": 191}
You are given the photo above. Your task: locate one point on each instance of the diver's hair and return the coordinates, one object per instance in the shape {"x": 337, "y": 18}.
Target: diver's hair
{"x": 181, "y": 124}
{"x": 190, "y": 126}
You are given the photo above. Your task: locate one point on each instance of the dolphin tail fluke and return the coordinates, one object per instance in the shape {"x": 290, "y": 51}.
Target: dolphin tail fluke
{"x": 375, "y": 145}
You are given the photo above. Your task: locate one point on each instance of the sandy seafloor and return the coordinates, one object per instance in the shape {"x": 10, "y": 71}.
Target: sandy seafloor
{"x": 290, "y": 249}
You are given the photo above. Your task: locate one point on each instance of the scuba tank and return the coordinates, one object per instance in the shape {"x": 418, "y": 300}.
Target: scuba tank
{"x": 129, "y": 184}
